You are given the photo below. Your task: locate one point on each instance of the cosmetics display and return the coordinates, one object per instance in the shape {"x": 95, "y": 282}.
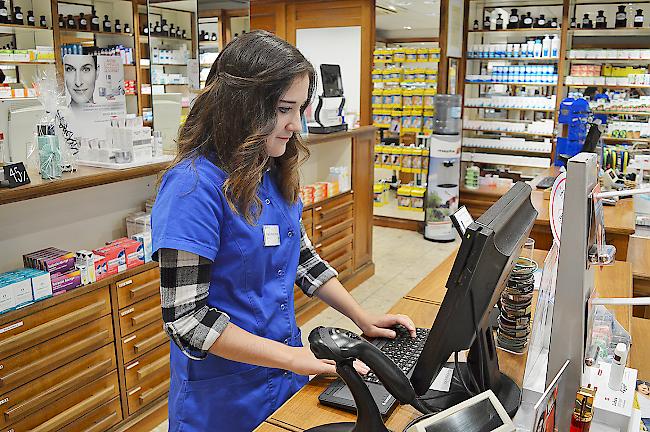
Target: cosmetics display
{"x": 518, "y": 74}
{"x": 512, "y": 102}
{"x": 583, "y": 411}
{"x": 126, "y": 53}
{"x": 609, "y": 54}
{"x": 337, "y": 182}
{"x": 618, "y": 102}
{"x": 160, "y": 56}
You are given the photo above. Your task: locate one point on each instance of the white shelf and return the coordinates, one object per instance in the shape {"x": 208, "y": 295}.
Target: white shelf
{"x": 498, "y": 159}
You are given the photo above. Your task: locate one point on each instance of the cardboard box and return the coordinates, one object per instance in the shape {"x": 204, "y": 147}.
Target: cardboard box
{"x": 133, "y": 251}
{"x": 65, "y": 281}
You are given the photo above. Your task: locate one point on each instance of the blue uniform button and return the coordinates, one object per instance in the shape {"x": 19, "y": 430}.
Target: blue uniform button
{"x": 280, "y": 272}
{"x": 283, "y": 307}
{"x": 267, "y": 201}
{"x": 286, "y": 373}
{"x": 290, "y": 234}
{"x": 286, "y": 341}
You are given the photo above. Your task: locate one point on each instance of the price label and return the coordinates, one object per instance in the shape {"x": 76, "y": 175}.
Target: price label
{"x": 16, "y": 175}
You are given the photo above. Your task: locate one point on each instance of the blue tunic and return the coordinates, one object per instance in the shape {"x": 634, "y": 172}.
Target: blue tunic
{"x": 251, "y": 282}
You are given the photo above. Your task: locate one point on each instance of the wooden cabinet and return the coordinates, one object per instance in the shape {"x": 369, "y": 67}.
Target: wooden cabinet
{"x": 138, "y": 287}
{"x": 99, "y": 419}
{"x": 140, "y": 314}
{"x": 147, "y": 365}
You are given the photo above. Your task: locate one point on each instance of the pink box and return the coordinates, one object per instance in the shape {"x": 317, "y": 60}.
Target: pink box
{"x": 133, "y": 249}
{"x": 66, "y": 281}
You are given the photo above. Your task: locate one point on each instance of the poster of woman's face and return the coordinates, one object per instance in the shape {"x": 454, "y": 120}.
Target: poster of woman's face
{"x": 80, "y": 73}
{"x": 643, "y": 388}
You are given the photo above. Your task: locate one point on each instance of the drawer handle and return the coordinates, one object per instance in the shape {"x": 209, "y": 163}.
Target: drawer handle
{"x": 151, "y": 342}
{"x": 52, "y": 328}
{"x": 317, "y": 227}
{"x": 154, "y": 392}
{"x": 58, "y": 390}
{"x": 104, "y": 423}
{"x": 319, "y": 208}
{"x": 144, "y": 290}
{"x": 146, "y": 317}
{"x": 337, "y": 244}
{"x": 318, "y": 245}
{"x": 153, "y": 367}
{"x": 76, "y": 411}
{"x": 40, "y": 366}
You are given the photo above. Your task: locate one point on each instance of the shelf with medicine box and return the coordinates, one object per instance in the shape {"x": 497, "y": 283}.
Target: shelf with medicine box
{"x": 519, "y": 84}
{"x": 518, "y": 32}
{"x": 622, "y": 140}
{"x": 510, "y": 109}
{"x": 510, "y": 151}
{"x": 516, "y": 59}
{"x": 610, "y": 32}
{"x": 67, "y": 32}
{"x": 623, "y": 113}
{"x": 144, "y": 39}
{"x": 513, "y": 133}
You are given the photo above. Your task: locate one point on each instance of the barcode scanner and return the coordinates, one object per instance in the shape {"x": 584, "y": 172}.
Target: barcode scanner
{"x": 344, "y": 347}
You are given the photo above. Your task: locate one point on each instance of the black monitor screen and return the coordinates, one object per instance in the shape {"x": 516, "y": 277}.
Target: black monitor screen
{"x": 332, "y": 82}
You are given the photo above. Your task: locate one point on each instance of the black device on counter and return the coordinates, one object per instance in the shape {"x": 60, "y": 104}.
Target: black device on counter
{"x": 487, "y": 253}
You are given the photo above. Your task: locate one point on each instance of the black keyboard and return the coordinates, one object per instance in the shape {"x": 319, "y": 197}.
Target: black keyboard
{"x": 404, "y": 350}
{"x": 546, "y": 183}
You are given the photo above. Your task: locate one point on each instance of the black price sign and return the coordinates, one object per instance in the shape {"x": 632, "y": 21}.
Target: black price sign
{"x": 15, "y": 175}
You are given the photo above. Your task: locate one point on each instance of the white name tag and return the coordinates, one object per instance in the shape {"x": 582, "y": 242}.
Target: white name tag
{"x": 271, "y": 235}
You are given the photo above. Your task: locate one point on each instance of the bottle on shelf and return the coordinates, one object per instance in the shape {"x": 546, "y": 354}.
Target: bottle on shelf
{"x": 638, "y": 18}
{"x": 541, "y": 22}
{"x": 31, "y": 19}
{"x": 573, "y": 23}
{"x": 43, "y": 22}
{"x": 4, "y": 13}
{"x": 118, "y": 26}
{"x": 61, "y": 21}
{"x": 180, "y": 33}
{"x": 555, "y": 46}
{"x": 476, "y": 25}
{"x": 499, "y": 22}
{"x": 537, "y": 49}
{"x": 157, "y": 30}
{"x": 127, "y": 29}
{"x": 621, "y": 17}
{"x": 172, "y": 30}
{"x": 165, "y": 27}
{"x": 601, "y": 20}
{"x": 18, "y": 16}
{"x": 94, "y": 21}
{"x": 487, "y": 22}
{"x": 554, "y": 23}
{"x": 201, "y": 34}
{"x": 527, "y": 22}
{"x": 546, "y": 46}
{"x": 213, "y": 37}
{"x": 83, "y": 21}
{"x": 206, "y": 36}
{"x": 586, "y": 22}
{"x": 106, "y": 25}
{"x": 184, "y": 35}
{"x": 70, "y": 22}
{"x": 145, "y": 29}
{"x": 513, "y": 21}
{"x": 151, "y": 29}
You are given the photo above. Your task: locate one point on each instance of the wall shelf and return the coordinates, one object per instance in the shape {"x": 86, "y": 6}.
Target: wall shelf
{"x": 609, "y": 86}
{"x": 511, "y": 133}
{"x": 523, "y": 32}
{"x": 518, "y": 59}
{"x": 30, "y": 63}
{"x": 144, "y": 39}
{"x": 640, "y": 114}
{"x": 512, "y": 84}
{"x": 644, "y": 31}
{"x": 95, "y": 32}
{"x": 622, "y": 140}
{"x": 513, "y": 109}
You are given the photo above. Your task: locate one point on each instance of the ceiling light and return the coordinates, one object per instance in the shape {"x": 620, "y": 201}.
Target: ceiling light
{"x": 408, "y": 28}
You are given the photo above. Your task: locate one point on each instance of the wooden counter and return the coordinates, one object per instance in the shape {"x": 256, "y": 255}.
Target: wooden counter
{"x": 619, "y": 219}
{"x": 422, "y": 304}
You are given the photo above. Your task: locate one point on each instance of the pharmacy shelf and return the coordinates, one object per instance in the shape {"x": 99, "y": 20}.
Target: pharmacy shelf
{"x": 640, "y": 114}
{"x": 169, "y": 64}
{"x": 512, "y": 109}
{"x": 12, "y": 28}
{"x": 518, "y": 59}
{"x": 607, "y": 60}
{"x": 644, "y": 31}
{"x": 523, "y": 32}
{"x": 144, "y": 39}
{"x": 500, "y": 159}
{"x": 512, "y": 83}
{"x": 209, "y": 44}
{"x": 492, "y": 131}
{"x": 95, "y": 32}
{"x": 20, "y": 63}
{"x": 622, "y": 140}
{"x": 504, "y": 151}
{"x": 206, "y": 64}
{"x": 609, "y": 86}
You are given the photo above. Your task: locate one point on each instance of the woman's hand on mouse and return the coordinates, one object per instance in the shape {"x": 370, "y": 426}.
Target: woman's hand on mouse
{"x": 304, "y": 362}
{"x": 381, "y": 325}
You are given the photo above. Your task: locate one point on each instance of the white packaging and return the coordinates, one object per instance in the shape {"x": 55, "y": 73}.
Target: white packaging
{"x": 7, "y": 298}
{"x": 546, "y": 47}
{"x": 41, "y": 285}
{"x": 22, "y": 291}
{"x": 555, "y": 47}
{"x": 612, "y": 408}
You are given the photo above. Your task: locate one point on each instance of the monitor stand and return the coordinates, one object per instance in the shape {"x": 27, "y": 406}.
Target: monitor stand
{"x": 483, "y": 352}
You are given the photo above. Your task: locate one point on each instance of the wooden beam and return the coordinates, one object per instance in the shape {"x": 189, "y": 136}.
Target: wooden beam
{"x": 442, "y": 36}
{"x": 210, "y": 13}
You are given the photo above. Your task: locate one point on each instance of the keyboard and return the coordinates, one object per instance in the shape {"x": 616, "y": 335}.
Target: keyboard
{"x": 546, "y": 183}
{"x": 403, "y": 350}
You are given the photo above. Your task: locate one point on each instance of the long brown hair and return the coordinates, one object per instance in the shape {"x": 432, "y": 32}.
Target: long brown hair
{"x": 232, "y": 117}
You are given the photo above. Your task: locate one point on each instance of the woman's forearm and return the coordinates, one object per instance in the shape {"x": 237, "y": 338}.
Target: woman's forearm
{"x": 239, "y": 345}
{"x": 335, "y": 295}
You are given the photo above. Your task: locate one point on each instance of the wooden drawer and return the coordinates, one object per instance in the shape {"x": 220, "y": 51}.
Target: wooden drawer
{"x": 138, "y": 287}
{"x": 344, "y": 269}
{"x": 299, "y": 298}
{"x": 342, "y": 259}
{"x": 64, "y": 411}
{"x": 140, "y": 314}
{"x": 147, "y": 365}
{"x": 97, "y": 420}
{"x": 307, "y": 216}
{"x": 143, "y": 340}
{"x": 39, "y": 327}
{"x": 332, "y": 209}
{"x": 333, "y": 226}
{"x": 330, "y": 248}
{"x": 58, "y": 384}
{"x": 150, "y": 389}
{"x": 41, "y": 359}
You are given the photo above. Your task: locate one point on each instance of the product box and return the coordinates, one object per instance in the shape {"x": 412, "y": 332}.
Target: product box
{"x": 18, "y": 286}
{"x": 133, "y": 250}
{"x": 612, "y": 408}
{"x": 7, "y": 299}
{"x": 62, "y": 282}
{"x": 51, "y": 260}
{"x": 41, "y": 284}
{"x": 145, "y": 239}
{"x": 115, "y": 257}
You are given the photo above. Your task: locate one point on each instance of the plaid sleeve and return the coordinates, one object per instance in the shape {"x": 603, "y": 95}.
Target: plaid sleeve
{"x": 188, "y": 320}
{"x": 313, "y": 271}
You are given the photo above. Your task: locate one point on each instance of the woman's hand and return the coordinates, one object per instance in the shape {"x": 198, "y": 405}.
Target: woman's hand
{"x": 380, "y": 325}
{"x": 305, "y": 363}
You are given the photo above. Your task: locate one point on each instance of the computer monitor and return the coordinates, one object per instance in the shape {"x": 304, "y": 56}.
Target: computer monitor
{"x": 332, "y": 82}
{"x": 488, "y": 252}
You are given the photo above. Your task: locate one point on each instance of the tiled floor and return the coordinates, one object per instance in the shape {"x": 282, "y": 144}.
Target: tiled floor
{"x": 402, "y": 259}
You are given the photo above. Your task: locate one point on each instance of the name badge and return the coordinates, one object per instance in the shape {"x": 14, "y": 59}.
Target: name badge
{"x": 271, "y": 235}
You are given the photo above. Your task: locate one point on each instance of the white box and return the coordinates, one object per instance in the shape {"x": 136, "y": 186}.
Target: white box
{"x": 7, "y": 298}
{"x": 41, "y": 286}
{"x": 612, "y": 408}
{"x": 22, "y": 287}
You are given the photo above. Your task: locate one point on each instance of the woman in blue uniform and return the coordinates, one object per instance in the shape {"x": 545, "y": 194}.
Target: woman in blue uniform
{"x": 228, "y": 236}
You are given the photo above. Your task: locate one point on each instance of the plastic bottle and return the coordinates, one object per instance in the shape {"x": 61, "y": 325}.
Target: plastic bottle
{"x": 546, "y": 46}
{"x": 530, "y": 48}
{"x": 555, "y": 47}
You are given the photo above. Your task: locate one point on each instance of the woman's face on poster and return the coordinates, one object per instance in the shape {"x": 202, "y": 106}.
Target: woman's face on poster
{"x": 80, "y": 74}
